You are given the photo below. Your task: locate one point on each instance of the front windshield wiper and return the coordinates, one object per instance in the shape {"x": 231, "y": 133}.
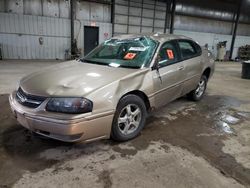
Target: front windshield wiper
{"x": 91, "y": 61}
{"x": 100, "y": 63}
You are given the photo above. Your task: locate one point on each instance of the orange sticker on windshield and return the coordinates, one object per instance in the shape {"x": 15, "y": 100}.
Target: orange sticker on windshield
{"x": 130, "y": 56}
{"x": 170, "y": 54}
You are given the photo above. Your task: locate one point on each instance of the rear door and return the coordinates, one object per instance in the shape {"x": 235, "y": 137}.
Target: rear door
{"x": 167, "y": 80}
{"x": 191, "y": 57}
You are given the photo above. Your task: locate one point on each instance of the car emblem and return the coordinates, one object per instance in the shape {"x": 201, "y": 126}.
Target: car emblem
{"x": 22, "y": 98}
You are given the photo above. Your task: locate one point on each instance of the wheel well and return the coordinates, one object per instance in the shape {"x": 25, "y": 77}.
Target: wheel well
{"x": 207, "y": 72}
{"x": 142, "y": 95}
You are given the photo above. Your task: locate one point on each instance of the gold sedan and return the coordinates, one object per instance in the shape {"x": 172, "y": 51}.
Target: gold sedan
{"x": 109, "y": 92}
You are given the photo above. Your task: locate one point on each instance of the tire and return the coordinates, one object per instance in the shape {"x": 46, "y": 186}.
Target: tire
{"x": 198, "y": 93}
{"x": 127, "y": 124}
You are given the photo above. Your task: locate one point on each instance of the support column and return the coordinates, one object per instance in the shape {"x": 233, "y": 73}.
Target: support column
{"x": 236, "y": 22}
{"x": 167, "y": 15}
{"x": 72, "y": 17}
{"x": 141, "y": 15}
{"x": 113, "y": 16}
{"x": 172, "y": 16}
{"x": 166, "y": 18}
{"x": 154, "y": 16}
{"x": 128, "y": 16}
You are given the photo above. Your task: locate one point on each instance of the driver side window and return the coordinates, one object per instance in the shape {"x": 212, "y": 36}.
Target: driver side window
{"x": 168, "y": 54}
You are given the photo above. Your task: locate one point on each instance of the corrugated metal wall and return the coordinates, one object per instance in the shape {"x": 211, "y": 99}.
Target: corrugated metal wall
{"x": 202, "y": 25}
{"x": 45, "y": 33}
{"x": 20, "y": 35}
{"x": 149, "y": 16}
{"x": 24, "y": 23}
{"x": 141, "y": 16}
{"x": 135, "y": 16}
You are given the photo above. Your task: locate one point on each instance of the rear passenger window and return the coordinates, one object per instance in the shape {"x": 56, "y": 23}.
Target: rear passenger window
{"x": 187, "y": 49}
{"x": 168, "y": 54}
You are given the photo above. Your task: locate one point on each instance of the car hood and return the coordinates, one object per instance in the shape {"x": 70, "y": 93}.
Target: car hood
{"x": 72, "y": 78}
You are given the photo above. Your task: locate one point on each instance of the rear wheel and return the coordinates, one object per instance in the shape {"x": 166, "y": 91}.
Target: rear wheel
{"x": 129, "y": 119}
{"x": 198, "y": 93}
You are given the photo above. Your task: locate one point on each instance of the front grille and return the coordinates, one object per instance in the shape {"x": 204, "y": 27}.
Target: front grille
{"x": 28, "y": 100}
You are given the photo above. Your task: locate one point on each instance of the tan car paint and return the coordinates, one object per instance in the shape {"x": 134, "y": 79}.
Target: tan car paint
{"x": 104, "y": 86}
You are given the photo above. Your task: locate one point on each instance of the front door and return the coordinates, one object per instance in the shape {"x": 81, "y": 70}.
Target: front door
{"x": 91, "y": 38}
{"x": 168, "y": 80}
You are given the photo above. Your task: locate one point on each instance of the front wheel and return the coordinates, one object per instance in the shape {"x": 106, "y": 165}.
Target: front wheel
{"x": 198, "y": 93}
{"x": 129, "y": 119}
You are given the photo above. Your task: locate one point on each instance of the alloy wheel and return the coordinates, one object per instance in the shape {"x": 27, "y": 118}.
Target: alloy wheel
{"x": 201, "y": 88}
{"x": 129, "y": 119}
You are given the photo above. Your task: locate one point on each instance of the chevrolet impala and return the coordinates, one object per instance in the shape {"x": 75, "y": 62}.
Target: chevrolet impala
{"x": 110, "y": 92}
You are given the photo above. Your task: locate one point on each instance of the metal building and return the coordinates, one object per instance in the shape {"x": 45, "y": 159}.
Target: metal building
{"x": 46, "y": 29}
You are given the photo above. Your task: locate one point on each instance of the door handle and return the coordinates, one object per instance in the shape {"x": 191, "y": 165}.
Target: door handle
{"x": 181, "y": 68}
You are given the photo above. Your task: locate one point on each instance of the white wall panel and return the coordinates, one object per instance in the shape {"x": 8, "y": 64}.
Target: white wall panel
{"x": 51, "y": 8}
{"x": 121, "y": 19}
{"x": 93, "y": 11}
{"x": 149, "y": 2}
{"x": 19, "y": 36}
{"x": 82, "y": 10}
{"x": 134, "y": 21}
{"x": 144, "y": 16}
{"x": 160, "y": 5}
{"x": 120, "y": 28}
{"x": 2, "y": 5}
{"x": 133, "y": 29}
{"x": 64, "y": 8}
{"x": 136, "y": 3}
{"x": 34, "y": 25}
{"x": 28, "y": 47}
{"x": 158, "y": 30}
{"x": 160, "y": 14}
{"x": 96, "y": 12}
{"x": 32, "y": 7}
{"x": 121, "y": 9}
{"x": 243, "y": 29}
{"x": 147, "y": 22}
{"x": 147, "y": 29}
{"x": 106, "y": 13}
{"x": 14, "y": 6}
{"x": 202, "y": 25}
{"x": 159, "y": 23}
{"x": 135, "y": 11}
{"x": 122, "y": 2}
{"x": 148, "y": 13}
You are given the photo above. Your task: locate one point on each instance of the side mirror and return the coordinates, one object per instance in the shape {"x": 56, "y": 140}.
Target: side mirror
{"x": 156, "y": 64}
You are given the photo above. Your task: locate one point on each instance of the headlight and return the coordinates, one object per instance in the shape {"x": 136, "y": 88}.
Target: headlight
{"x": 69, "y": 105}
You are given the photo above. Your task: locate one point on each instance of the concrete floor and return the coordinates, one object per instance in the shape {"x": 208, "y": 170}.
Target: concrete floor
{"x": 185, "y": 144}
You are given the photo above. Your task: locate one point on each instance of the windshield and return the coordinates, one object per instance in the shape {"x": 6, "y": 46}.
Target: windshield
{"x": 130, "y": 53}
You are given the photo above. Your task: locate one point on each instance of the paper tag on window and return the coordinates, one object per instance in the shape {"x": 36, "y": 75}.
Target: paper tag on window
{"x": 140, "y": 49}
{"x": 170, "y": 54}
{"x": 130, "y": 56}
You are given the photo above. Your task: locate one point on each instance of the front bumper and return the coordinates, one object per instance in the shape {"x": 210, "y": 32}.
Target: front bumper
{"x": 86, "y": 129}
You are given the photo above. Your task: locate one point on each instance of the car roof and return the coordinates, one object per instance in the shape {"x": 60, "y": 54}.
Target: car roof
{"x": 160, "y": 37}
